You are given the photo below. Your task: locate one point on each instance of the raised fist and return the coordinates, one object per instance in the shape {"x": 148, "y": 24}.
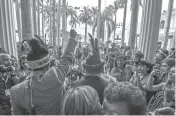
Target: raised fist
{"x": 73, "y": 34}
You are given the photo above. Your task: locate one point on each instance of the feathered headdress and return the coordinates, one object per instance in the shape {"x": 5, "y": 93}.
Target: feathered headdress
{"x": 93, "y": 63}
{"x": 95, "y": 46}
{"x": 37, "y": 52}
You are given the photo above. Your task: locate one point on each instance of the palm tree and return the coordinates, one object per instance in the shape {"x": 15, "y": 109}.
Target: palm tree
{"x": 43, "y": 21}
{"x": 64, "y": 10}
{"x": 74, "y": 20}
{"x": 117, "y": 4}
{"x": 54, "y": 36}
{"x": 94, "y": 11}
{"x": 58, "y": 21}
{"x": 167, "y": 27}
{"x": 50, "y": 27}
{"x": 85, "y": 18}
{"x": 124, "y": 23}
{"x": 38, "y": 15}
{"x": 98, "y": 19}
{"x": 106, "y": 19}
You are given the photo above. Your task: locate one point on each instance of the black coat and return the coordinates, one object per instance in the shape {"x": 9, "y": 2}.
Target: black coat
{"x": 96, "y": 82}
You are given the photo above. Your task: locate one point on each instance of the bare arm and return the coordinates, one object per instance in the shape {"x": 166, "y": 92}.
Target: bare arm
{"x": 150, "y": 82}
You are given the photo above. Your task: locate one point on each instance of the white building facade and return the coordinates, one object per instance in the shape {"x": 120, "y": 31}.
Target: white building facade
{"x": 172, "y": 30}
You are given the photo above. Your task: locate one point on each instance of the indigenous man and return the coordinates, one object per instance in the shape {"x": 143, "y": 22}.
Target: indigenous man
{"x": 94, "y": 66}
{"x": 41, "y": 94}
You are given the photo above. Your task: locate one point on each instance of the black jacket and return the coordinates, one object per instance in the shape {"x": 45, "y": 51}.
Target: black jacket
{"x": 96, "y": 82}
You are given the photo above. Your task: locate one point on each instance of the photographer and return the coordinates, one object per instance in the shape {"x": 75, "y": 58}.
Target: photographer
{"x": 142, "y": 72}
{"x": 156, "y": 85}
{"x": 7, "y": 80}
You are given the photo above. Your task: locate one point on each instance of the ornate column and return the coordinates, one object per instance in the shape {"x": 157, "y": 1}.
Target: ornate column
{"x": 18, "y": 18}
{"x": 9, "y": 26}
{"x": 133, "y": 24}
{"x": 5, "y": 25}
{"x": 13, "y": 31}
{"x": 7, "y": 31}
{"x": 2, "y": 41}
{"x": 150, "y": 28}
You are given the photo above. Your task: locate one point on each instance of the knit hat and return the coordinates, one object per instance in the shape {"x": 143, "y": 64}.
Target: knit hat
{"x": 38, "y": 56}
{"x": 93, "y": 63}
{"x": 170, "y": 62}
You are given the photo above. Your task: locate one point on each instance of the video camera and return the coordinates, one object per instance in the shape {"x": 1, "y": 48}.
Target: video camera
{"x": 4, "y": 69}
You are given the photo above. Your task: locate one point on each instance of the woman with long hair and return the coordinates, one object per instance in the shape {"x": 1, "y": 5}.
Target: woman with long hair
{"x": 82, "y": 100}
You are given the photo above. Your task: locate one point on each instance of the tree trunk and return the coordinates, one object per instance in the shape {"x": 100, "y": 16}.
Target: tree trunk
{"x": 64, "y": 15}
{"x": 85, "y": 39}
{"x": 99, "y": 19}
{"x": 167, "y": 26}
{"x": 54, "y": 38}
{"x": 38, "y": 15}
{"x": 58, "y": 21}
{"x": 72, "y": 25}
{"x": 51, "y": 39}
{"x": 34, "y": 17}
{"x": 18, "y": 20}
{"x": 64, "y": 19}
{"x": 43, "y": 25}
{"x": 26, "y": 19}
{"x": 133, "y": 25}
{"x": 115, "y": 26}
{"x": 124, "y": 23}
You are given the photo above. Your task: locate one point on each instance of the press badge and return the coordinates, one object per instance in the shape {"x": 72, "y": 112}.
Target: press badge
{"x": 7, "y": 92}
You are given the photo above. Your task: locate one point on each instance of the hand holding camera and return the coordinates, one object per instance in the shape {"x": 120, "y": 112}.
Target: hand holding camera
{"x": 4, "y": 69}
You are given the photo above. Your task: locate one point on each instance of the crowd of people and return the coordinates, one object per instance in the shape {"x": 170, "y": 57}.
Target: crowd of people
{"x": 93, "y": 79}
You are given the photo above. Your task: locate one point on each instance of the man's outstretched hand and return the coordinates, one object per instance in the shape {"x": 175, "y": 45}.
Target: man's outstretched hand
{"x": 73, "y": 34}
